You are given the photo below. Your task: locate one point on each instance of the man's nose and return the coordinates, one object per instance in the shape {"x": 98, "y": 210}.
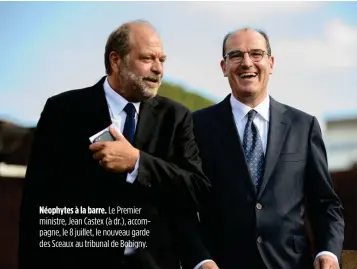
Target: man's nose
{"x": 246, "y": 62}
{"x": 157, "y": 67}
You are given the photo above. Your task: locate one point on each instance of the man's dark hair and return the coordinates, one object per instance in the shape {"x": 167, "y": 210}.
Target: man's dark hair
{"x": 119, "y": 41}
{"x": 246, "y": 29}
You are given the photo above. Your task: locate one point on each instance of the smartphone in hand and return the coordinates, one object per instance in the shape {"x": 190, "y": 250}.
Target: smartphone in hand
{"x": 106, "y": 136}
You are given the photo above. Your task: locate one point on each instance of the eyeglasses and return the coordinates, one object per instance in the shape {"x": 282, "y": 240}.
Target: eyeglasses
{"x": 236, "y": 56}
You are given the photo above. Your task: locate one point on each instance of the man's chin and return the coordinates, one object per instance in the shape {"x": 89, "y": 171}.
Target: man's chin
{"x": 249, "y": 91}
{"x": 149, "y": 93}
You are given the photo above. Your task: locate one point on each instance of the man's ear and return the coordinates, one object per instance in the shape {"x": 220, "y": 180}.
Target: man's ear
{"x": 224, "y": 67}
{"x": 271, "y": 64}
{"x": 114, "y": 60}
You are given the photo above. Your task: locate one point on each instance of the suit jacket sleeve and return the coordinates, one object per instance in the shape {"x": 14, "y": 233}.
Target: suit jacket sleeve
{"x": 324, "y": 205}
{"x": 181, "y": 178}
{"x": 38, "y": 188}
{"x": 191, "y": 248}
{"x": 185, "y": 187}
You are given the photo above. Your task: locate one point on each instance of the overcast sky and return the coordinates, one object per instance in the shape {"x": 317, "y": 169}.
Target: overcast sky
{"x": 48, "y": 48}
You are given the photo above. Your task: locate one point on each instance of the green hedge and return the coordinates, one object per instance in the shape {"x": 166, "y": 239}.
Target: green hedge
{"x": 191, "y": 100}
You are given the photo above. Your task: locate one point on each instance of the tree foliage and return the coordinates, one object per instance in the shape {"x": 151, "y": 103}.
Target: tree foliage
{"x": 191, "y": 100}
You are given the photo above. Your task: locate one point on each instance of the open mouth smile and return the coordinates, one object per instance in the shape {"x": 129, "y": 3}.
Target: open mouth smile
{"x": 248, "y": 75}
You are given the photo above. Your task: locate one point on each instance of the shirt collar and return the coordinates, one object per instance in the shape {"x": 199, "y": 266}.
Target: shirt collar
{"x": 115, "y": 101}
{"x": 240, "y": 110}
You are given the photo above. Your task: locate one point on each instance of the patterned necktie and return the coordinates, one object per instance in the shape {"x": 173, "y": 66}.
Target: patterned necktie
{"x": 253, "y": 149}
{"x": 129, "y": 126}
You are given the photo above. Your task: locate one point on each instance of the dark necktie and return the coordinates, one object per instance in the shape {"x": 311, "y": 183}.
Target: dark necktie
{"x": 253, "y": 149}
{"x": 129, "y": 126}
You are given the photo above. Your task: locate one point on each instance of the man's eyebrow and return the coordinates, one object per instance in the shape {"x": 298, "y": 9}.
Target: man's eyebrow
{"x": 233, "y": 51}
{"x": 239, "y": 50}
{"x": 236, "y": 50}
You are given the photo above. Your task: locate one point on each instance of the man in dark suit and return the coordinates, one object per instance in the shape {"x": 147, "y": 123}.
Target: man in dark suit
{"x": 265, "y": 161}
{"x": 150, "y": 175}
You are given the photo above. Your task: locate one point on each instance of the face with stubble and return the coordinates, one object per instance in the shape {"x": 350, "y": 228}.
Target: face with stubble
{"x": 140, "y": 72}
{"x": 247, "y": 66}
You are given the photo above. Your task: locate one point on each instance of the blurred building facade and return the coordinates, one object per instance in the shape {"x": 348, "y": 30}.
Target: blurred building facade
{"x": 340, "y": 137}
{"x": 341, "y": 141}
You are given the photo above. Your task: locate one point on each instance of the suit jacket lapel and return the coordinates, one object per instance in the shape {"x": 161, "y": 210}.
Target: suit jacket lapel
{"x": 278, "y": 129}
{"x": 147, "y": 120}
{"x": 231, "y": 145}
{"x": 98, "y": 112}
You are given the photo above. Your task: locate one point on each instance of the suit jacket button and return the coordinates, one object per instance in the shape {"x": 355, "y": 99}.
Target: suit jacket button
{"x": 259, "y": 239}
{"x": 259, "y": 206}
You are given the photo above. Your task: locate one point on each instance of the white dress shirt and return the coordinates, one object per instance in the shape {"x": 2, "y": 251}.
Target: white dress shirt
{"x": 116, "y": 104}
{"x": 261, "y": 121}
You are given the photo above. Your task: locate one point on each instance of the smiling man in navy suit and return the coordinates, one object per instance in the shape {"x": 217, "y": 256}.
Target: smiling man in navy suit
{"x": 266, "y": 161}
